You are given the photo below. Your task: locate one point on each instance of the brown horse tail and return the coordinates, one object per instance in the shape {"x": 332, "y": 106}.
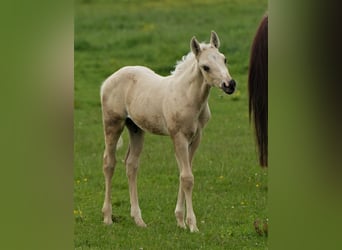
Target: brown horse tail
{"x": 258, "y": 89}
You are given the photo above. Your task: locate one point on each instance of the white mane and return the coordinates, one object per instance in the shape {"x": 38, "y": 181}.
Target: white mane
{"x": 187, "y": 60}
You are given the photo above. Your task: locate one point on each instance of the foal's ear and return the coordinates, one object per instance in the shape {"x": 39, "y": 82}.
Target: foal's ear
{"x": 195, "y": 46}
{"x": 214, "y": 39}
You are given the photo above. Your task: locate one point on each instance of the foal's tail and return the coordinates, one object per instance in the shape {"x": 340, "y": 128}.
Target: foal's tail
{"x": 258, "y": 89}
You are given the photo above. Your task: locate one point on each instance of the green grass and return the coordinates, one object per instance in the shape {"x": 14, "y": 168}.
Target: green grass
{"x": 230, "y": 188}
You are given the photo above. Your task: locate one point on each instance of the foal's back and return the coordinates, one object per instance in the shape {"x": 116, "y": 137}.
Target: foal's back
{"x": 136, "y": 92}
{"x": 129, "y": 76}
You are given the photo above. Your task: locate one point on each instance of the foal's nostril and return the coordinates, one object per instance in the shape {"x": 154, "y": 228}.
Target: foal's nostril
{"x": 232, "y": 83}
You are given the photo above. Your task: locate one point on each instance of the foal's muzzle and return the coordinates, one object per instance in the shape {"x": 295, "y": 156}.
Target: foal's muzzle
{"x": 229, "y": 87}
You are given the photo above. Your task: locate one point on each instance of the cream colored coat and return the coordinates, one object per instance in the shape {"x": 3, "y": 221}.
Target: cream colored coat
{"x": 175, "y": 105}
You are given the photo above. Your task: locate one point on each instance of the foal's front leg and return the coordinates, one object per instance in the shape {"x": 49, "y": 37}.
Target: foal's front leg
{"x": 179, "y": 211}
{"x": 186, "y": 182}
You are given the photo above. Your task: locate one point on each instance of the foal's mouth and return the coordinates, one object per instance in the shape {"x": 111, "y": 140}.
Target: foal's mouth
{"x": 230, "y": 88}
{"x": 229, "y": 91}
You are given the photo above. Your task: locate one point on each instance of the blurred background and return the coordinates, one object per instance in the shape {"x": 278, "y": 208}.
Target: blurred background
{"x": 37, "y": 103}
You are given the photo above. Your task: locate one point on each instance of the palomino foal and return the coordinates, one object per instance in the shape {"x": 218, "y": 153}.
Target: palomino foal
{"x": 175, "y": 105}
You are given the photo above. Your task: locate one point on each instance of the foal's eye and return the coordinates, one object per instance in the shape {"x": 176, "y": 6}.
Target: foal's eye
{"x": 206, "y": 68}
{"x": 225, "y": 61}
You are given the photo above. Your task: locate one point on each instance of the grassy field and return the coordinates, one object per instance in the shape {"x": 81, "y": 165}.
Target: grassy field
{"x": 230, "y": 190}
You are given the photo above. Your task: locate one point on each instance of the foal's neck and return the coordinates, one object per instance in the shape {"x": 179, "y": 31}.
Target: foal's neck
{"x": 196, "y": 88}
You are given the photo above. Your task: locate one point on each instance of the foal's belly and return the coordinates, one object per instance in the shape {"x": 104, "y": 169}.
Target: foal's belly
{"x": 154, "y": 124}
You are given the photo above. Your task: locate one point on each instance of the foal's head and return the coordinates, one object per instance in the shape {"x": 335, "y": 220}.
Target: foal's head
{"x": 212, "y": 64}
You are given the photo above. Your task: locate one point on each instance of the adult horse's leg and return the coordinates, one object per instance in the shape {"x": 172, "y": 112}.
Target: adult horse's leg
{"x": 179, "y": 211}
{"x": 113, "y": 127}
{"x": 132, "y": 163}
{"x": 186, "y": 178}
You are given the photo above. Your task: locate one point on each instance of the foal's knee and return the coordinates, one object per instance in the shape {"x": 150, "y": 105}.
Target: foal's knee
{"x": 187, "y": 182}
{"x": 108, "y": 163}
{"x": 132, "y": 164}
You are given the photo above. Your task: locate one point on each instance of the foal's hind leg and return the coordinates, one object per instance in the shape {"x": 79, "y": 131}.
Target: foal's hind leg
{"x": 132, "y": 163}
{"x": 113, "y": 127}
